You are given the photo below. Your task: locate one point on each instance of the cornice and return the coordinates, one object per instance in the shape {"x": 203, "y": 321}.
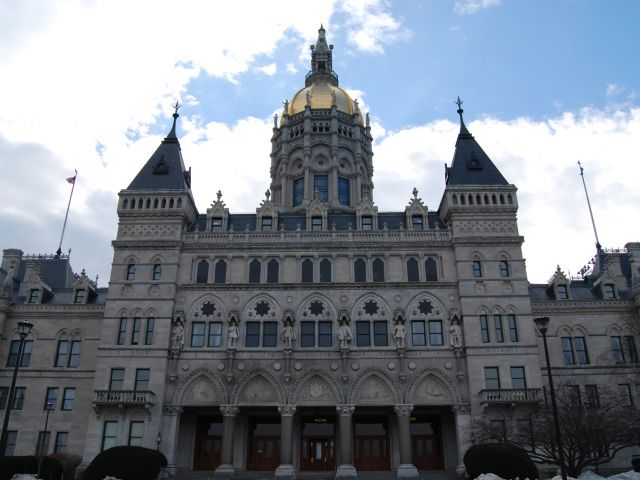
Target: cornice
{"x": 587, "y": 306}
{"x": 314, "y": 286}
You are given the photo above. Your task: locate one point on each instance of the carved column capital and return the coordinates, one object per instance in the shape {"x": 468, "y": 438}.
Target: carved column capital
{"x": 229, "y": 410}
{"x": 461, "y": 408}
{"x": 345, "y": 410}
{"x": 403, "y": 410}
{"x": 172, "y": 410}
{"x": 287, "y": 410}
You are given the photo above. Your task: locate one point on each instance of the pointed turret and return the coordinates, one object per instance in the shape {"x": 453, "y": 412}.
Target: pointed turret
{"x": 321, "y": 62}
{"x": 471, "y": 165}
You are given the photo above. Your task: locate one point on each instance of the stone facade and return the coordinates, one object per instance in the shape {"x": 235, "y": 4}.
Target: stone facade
{"x": 317, "y": 334}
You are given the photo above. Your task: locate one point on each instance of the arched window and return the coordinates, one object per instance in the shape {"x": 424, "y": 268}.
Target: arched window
{"x": 413, "y": 275}
{"x": 254, "y": 271}
{"x": 202, "y": 272}
{"x": 131, "y": 272}
{"x": 157, "y": 272}
{"x": 325, "y": 270}
{"x": 378, "y": 270}
{"x": 360, "y": 271}
{"x": 431, "y": 270}
{"x": 273, "y": 269}
{"x": 220, "y": 272}
{"x": 307, "y": 271}
{"x": 476, "y": 266}
{"x": 125, "y": 204}
{"x": 179, "y": 203}
{"x": 504, "y": 268}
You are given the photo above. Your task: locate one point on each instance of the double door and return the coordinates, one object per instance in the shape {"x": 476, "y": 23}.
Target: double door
{"x": 318, "y": 454}
{"x": 371, "y": 444}
{"x": 426, "y": 443}
{"x": 208, "y": 443}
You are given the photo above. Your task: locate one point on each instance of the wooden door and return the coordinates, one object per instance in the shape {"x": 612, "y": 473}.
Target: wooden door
{"x": 208, "y": 444}
{"x": 426, "y": 444}
{"x": 264, "y": 453}
{"x": 317, "y": 454}
{"x": 371, "y": 453}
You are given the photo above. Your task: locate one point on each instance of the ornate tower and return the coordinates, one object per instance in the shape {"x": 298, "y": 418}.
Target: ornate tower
{"x": 322, "y": 147}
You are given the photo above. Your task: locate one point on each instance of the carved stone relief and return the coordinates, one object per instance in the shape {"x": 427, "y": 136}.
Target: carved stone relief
{"x": 316, "y": 390}
{"x": 258, "y": 391}
{"x": 374, "y": 390}
{"x": 201, "y": 391}
{"x": 432, "y": 391}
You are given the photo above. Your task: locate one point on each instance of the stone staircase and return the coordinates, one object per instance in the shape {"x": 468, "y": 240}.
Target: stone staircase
{"x": 424, "y": 475}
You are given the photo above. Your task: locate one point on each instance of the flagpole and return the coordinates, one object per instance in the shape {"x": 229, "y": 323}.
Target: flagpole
{"x": 593, "y": 223}
{"x": 64, "y": 225}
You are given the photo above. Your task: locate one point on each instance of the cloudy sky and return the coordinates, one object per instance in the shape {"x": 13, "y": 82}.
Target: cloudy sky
{"x": 88, "y": 85}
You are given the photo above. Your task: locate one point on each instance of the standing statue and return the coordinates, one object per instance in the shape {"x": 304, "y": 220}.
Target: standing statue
{"x": 308, "y": 97}
{"x": 334, "y": 100}
{"x": 233, "y": 334}
{"x": 285, "y": 110}
{"x": 288, "y": 335}
{"x": 399, "y": 332}
{"x": 177, "y": 335}
{"x": 344, "y": 335}
{"x": 455, "y": 334}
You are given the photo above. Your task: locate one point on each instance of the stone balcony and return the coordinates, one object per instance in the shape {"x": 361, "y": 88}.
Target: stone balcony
{"x": 513, "y": 397}
{"x": 123, "y": 399}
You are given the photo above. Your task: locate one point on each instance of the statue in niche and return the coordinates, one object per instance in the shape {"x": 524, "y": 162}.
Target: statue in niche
{"x": 344, "y": 334}
{"x": 455, "y": 333}
{"x": 177, "y": 335}
{"x": 399, "y": 333}
{"x": 288, "y": 335}
{"x": 233, "y": 334}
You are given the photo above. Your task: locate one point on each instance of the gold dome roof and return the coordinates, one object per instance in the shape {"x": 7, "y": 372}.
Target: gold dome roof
{"x": 321, "y": 98}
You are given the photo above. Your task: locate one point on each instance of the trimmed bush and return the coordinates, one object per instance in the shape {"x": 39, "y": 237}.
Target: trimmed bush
{"x": 506, "y": 461}
{"x": 126, "y": 463}
{"x": 636, "y": 464}
{"x": 69, "y": 464}
{"x": 51, "y": 469}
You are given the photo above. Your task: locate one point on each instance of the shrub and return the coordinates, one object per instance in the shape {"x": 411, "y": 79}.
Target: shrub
{"x": 51, "y": 469}
{"x": 506, "y": 461}
{"x": 126, "y": 463}
{"x": 636, "y": 464}
{"x": 69, "y": 463}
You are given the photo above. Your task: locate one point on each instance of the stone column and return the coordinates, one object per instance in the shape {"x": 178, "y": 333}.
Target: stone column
{"x": 462, "y": 412}
{"x": 406, "y": 469}
{"x": 226, "y": 470}
{"x": 169, "y": 438}
{"x": 346, "y": 470}
{"x": 286, "y": 470}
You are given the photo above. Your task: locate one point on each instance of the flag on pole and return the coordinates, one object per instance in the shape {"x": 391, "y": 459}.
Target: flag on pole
{"x": 72, "y": 180}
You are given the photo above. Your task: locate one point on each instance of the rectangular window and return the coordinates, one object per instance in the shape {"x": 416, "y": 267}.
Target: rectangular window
{"x": 142, "y": 379}
{"x": 367, "y": 222}
{"x": 307, "y": 334}
{"x": 591, "y": 396}
{"x": 581, "y": 350}
{"x": 216, "y": 224}
{"x": 504, "y": 268}
{"x": 380, "y": 337}
{"x": 42, "y": 444}
{"x": 157, "y": 272}
{"x": 298, "y": 191}
{"x": 253, "y": 334}
{"x": 517, "y": 378}
{"x": 609, "y": 291}
{"x": 135, "y": 331}
{"x": 624, "y": 390}
{"x": 513, "y": 327}
{"x": 436, "y": 338}
{"x": 573, "y": 395}
{"x": 51, "y": 398}
{"x": 477, "y": 269}
{"x": 525, "y": 432}
{"x": 418, "y": 334}
{"x": 563, "y": 293}
{"x": 630, "y": 349}
{"x": 109, "y": 435}
{"x": 116, "y": 380}
{"x": 14, "y": 350}
{"x": 215, "y": 334}
{"x": 62, "y": 438}
{"x": 34, "y": 296}
{"x": 567, "y": 350}
{"x": 148, "y": 334}
{"x": 68, "y": 399}
{"x": 136, "y": 434}
{"x": 616, "y": 346}
{"x": 484, "y": 329}
{"x": 497, "y": 322}
{"x": 61, "y": 354}
{"x": 363, "y": 334}
{"x": 267, "y": 224}
{"x": 325, "y": 334}
{"x": 122, "y": 331}
{"x": 344, "y": 195}
{"x": 4, "y": 397}
{"x": 18, "y": 398}
{"x": 80, "y": 295}
{"x": 197, "y": 334}
{"x": 269, "y": 334}
{"x": 74, "y": 354}
{"x": 12, "y": 437}
{"x": 416, "y": 222}
{"x": 316, "y": 223}
{"x": 492, "y": 378}
{"x": 131, "y": 272}
{"x": 321, "y": 185}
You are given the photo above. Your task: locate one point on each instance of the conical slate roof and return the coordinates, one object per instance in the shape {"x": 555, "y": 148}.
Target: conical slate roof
{"x": 470, "y": 165}
{"x": 165, "y": 169}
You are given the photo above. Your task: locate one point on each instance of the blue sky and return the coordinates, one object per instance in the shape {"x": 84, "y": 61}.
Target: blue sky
{"x": 89, "y": 85}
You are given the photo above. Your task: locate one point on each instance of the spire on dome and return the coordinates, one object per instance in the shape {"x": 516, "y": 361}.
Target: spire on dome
{"x": 321, "y": 61}
{"x": 463, "y": 127}
{"x": 172, "y": 133}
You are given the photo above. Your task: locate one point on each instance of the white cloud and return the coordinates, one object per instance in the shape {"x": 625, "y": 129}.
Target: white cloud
{"x": 291, "y": 68}
{"x": 269, "y": 70}
{"x": 470, "y": 7}
{"x": 614, "y": 90}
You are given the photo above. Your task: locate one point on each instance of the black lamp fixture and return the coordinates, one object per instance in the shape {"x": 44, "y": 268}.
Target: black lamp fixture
{"x": 158, "y": 441}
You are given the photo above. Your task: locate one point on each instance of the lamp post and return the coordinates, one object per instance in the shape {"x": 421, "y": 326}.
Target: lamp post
{"x": 158, "y": 441}
{"x": 44, "y": 437}
{"x": 23, "y": 330}
{"x": 542, "y": 323}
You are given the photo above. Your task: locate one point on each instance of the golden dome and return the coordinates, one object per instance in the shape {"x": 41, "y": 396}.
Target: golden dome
{"x": 321, "y": 98}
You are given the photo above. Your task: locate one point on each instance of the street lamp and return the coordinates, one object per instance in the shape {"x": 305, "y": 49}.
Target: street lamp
{"x": 158, "y": 440}
{"x": 542, "y": 323}
{"x": 23, "y": 330}
{"x": 41, "y": 452}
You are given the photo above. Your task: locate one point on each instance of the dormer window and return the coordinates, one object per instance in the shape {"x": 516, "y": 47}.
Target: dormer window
{"x": 316, "y": 223}
{"x": 131, "y": 272}
{"x": 267, "y": 224}
{"x": 216, "y": 224}
{"x": 80, "y": 296}
{"x": 562, "y": 292}
{"x": 416, "y": 222}
{"x": 608, "y": 291}
{"x": 34, "y": 296}
{"x": 367, "y": 222}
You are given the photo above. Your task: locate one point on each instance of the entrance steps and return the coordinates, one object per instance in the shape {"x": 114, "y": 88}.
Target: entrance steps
{"x": 424, "y": 475}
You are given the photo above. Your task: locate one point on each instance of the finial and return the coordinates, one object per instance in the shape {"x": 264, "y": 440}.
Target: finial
{"x": 368, "y": 120}
{"x": 321, "y": 28}
{"x": 463, "y": 127}
{"x": 83, "y": 273}
{"x": 415, "y": 192}
{"x": 275, "y": 121}
{"x": 176, "y": 107}
{"x": 219, "y": 195}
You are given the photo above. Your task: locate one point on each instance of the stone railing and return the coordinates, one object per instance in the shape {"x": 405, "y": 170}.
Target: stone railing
{"x": 511, "y": 396}
{"x": 123, "y": 398}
